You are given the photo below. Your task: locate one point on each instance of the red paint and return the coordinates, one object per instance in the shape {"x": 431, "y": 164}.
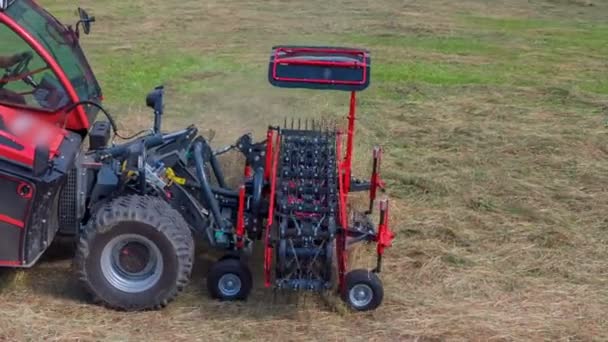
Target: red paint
{"x": 290, "y": 52}
{"x": 348, "y": 159}
{"x": 21, "y": 189}
{"x": 268, "y": 166}
{"x": 240, "y": 220}
{"x": 341, "y": 238}
{"x": 77, "y": 119}
{"x": 385, "y": 235}
{"x": 248, "y": 171}
{"x": 12, "y": 221}
{"x": 10, "y": 263}
{"x": 27, "y": 131}
{"x": 273, "y": 186}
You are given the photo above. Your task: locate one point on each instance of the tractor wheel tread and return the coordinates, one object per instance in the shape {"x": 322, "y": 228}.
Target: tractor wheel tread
{"x": 154, "y": 213}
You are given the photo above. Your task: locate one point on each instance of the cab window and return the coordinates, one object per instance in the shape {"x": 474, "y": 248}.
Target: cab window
{"x": 26, "y": 80}
{"x": 60, "y": 43}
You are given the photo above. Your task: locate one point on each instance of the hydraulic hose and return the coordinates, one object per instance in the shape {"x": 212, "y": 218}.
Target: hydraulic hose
{"x": 206, "y": 193}
{"x": 106, "y": 113}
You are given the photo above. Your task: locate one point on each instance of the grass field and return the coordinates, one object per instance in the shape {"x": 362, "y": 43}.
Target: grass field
{"x": 493, "y": 115}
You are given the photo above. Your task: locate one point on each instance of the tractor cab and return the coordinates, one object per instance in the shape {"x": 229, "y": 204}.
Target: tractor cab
{"x": 43, "y": 71}
{"x": 45, "y": 82}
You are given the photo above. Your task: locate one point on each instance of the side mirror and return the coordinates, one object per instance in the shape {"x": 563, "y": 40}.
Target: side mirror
{"x": 85, "y": 21}
{"x": 155, "y": 100}
{"x": 41, "y": 161}
{"x": 4, "y": 4}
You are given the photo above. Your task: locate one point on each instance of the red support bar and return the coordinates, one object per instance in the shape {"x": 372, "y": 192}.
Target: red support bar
{"x": 341, "y": 238}
{"x": 240, "y": 220}
{"x": 273, "y": 185}
{"x": 343, "y": 191}
{"x": 318, "y": 80}
{"x": 348, "y": 158}
{"x": 268, "y": 165}
{"x": 293, "y": 61}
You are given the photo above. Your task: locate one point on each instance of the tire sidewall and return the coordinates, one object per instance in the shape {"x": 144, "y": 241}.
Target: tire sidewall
{"x": 115, "y": 297}
{"x": 230, "y": 266}
{"x": 372, "y": 281}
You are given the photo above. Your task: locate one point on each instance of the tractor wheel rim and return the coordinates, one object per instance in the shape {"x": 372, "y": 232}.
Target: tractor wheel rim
{"x": 131, "y": 263}
{"x": 361, "y": 295}
{"x": 229, "y": 285}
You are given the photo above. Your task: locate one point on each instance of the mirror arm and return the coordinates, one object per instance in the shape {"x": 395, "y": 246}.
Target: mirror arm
{"x": 77, "y": 30}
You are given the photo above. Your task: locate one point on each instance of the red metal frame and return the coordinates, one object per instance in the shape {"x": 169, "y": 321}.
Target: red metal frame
{"x": 270, "y": 221}
{"x": 77, "y": 118}
{"x": 278, "y": 60}
{"x": 240, "y": 220}
{"x": 348, "y": 158}
{"x": 268, "y": 165}
{"x": 341, "y": 238}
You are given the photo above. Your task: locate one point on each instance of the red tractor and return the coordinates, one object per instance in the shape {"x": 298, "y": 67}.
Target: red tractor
{"x": 134, "y": 208}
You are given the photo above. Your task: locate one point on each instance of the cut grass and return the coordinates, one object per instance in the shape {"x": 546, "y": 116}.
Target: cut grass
{"x": 492, "y": 117}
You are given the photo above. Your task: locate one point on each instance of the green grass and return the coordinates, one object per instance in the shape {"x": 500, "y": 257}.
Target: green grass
{"x": 128, "y": 76}
{"x": 442, "y": 44}
{"x": 504, "y": 51}
{"x": 492, "y": 117}
{"x": 434, "y": 73}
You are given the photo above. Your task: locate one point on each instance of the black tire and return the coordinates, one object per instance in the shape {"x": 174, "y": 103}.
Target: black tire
{"x": 152, "y": 223}
{"x": 367, "y": 282}
{"x": 237, "y": 272}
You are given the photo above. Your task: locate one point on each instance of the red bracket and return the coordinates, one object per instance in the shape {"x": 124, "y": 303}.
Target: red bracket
{"x": 268, "y": 164}
{"x": 270, "y": 221}
{"x": 240, "y": 220}
{"x": 385, "y": 236}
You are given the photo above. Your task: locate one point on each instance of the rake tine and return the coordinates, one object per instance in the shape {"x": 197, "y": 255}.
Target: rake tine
{"x": 291, "y": 123}
{"x": 285, "y": 121}
{"x": 299, "y": 123}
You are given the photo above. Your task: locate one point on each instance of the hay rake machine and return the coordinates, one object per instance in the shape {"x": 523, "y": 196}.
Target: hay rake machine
{"x": 308, "y": 219}
{"x": 135, "y": 207}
